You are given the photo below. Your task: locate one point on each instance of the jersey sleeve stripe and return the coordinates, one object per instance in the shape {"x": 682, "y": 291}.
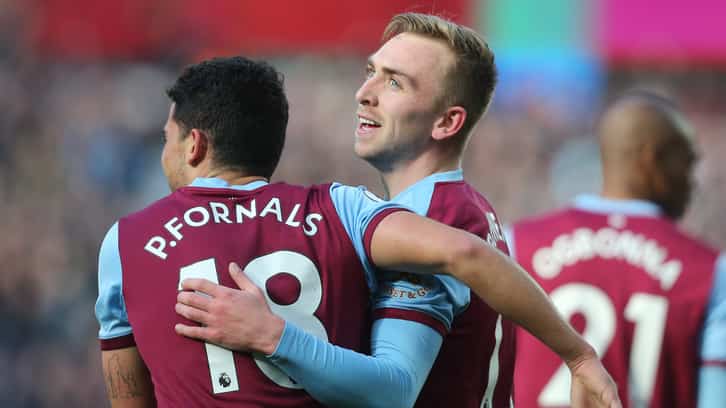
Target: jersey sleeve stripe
{"x": 713, "y": 363}
{"x": 373, "y": 224}
{"x": 118, "y": 342}
{"x": 411, "y": 315}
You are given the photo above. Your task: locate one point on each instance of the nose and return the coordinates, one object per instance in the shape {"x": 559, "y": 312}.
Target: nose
{"x": 366, "y": 94}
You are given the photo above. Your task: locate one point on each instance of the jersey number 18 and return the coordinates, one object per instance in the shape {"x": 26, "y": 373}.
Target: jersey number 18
{"x": 222, "y": 369}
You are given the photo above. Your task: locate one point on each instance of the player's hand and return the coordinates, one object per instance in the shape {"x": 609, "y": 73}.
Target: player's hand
{"x": 592, "y": 386}
{"x": 237, "y": 319}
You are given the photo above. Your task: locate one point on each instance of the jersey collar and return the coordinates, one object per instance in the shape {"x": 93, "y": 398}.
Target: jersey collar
{"x": 214, "y": 182}
{"x": 452, "y": 175}
{"x": 597, "y": 204}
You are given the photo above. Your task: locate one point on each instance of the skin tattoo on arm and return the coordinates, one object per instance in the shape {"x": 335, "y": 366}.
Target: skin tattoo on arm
{"x": 128, "y": 383}
{"x": 121, "y": 381}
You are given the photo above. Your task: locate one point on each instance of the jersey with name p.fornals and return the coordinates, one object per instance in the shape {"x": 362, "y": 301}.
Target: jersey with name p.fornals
{"x": 633, "y": 284}
{"x": 475, "y": 365}
{"x": 307, "y": 248}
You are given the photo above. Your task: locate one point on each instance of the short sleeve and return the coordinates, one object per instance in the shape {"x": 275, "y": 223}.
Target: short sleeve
{"x": 115, "y": 329}
{"x": 713, "y": 349}
{"x": 433, "y": 300}
{"x": 360, "y": 211}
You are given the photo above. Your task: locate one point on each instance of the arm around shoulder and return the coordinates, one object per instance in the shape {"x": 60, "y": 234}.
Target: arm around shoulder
{"x": 405, "y": 241}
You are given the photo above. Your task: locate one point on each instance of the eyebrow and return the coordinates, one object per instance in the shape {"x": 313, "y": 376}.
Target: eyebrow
{"x": 392, "y": 71}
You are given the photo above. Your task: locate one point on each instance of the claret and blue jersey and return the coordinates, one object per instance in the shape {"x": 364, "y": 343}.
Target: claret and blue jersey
{"x": 307, "y": 248}
{"x": 649, "y": 298}
{"x": 321, "y": 237}
{"x": 475, "y": 364}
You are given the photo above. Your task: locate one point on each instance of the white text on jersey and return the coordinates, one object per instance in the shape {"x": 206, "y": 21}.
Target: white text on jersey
{"x": 221, "y": 213}
{"x": 607, "y": 243}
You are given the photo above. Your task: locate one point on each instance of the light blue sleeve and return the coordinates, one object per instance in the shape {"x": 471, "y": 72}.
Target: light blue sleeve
{"x": 357, "y": 207}
{"x": 713, "y": 347}
{"x": 402, "y": 355}
{"x": 110, "y": 307}
{"x": 711, "y": 387}
{"x": 712, "y": 381}
{"x": 439, "y": 296}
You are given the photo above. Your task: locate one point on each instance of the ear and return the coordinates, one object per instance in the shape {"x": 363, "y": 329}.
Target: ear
{"x": 650, "y": 168}
{"x": 197, "y": 147}
{"x": 449, "y": 123}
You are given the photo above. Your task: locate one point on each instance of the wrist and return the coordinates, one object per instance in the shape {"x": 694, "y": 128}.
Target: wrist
{"x": 583, "y": 354}
{"x": 270, "y": 335}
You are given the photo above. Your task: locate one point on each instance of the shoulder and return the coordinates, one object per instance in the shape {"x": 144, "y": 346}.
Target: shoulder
{"x": 457, "y": 197}
{"x": 550, "y": 217}
{"x": 354, "y": 193}
{"x": 696, "y": 244}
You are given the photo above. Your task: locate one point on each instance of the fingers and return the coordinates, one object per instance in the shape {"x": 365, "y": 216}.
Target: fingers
{"x": 615, "y": 402}
{"x": 202, "y": 285}
{"x": 234, "y": 268}
{"x": 239, "y": 277}
{"x": 194, "y": 332}
{"x": 192, "y": 313}
{"x": 195, "y": 300}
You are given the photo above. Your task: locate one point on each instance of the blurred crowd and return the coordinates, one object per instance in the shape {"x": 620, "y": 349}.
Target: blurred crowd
{"x": 80, "y": 145}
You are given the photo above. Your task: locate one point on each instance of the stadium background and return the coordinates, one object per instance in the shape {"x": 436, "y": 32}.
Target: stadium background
{"x": 83, "y": 104}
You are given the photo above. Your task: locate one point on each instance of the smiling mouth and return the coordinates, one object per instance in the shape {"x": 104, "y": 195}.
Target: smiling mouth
{"x": 367, "y": 124}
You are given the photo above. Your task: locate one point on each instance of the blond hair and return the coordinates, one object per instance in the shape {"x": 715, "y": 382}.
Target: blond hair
{"x": 470, "y": 81}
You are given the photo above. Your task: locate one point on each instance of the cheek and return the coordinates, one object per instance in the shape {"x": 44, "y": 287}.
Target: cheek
{"x": 417, "y": 114}
{"x": 167, "y": 159}
{"x": 164, "y": 157}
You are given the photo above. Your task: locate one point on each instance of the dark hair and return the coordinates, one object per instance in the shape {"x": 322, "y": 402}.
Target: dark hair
{"x": 241, "y": 105}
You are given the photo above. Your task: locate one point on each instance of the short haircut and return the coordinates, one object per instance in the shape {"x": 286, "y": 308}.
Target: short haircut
{"x": 241, "y": 105}
{"x": 470, "y": 82}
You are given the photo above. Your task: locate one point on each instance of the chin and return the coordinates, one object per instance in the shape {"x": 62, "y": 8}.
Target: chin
{"x": 362, "y": 152}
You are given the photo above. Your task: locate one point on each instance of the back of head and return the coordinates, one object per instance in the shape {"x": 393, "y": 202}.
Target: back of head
{"x": 242, "y": 107}
{"x": 647, "y": 151}
{"x": 471, "y": 81}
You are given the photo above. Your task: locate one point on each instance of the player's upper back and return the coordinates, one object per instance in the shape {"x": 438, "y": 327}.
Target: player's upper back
{"x": 632, "y": 234}
{"x": 633, "y": 282}
{"x": 304, "y": 247}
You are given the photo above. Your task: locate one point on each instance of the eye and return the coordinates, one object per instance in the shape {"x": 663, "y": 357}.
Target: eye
{"x": 394, "y": 83}
{"x": 369, "y": 72}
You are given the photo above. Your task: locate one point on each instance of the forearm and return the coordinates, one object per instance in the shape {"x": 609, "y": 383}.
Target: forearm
{"x": 711, "y": 390}
{"x": 404, "y": 241}
{"x": 509, "y": 289}
{"x": 402, "y": 357}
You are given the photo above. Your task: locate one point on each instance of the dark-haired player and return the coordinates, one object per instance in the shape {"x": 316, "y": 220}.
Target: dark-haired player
{"x": 309, "y": 250}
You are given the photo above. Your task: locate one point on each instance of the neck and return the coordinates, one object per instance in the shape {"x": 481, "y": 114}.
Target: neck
{"x": 403, "y": 175}
{"x": 234, "y": 177}
{"x": 616, "y": 191}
